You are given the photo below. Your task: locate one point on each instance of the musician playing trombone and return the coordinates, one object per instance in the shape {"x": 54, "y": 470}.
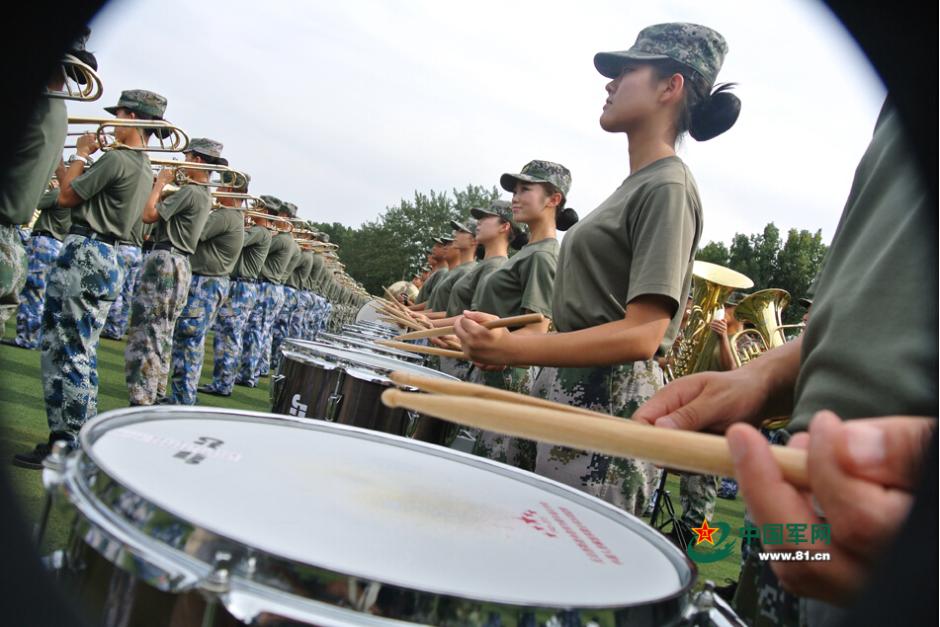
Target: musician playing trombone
{"x": 166, "y": 274}
{"x": 106, "y": 201}
{"x": 220, "y": 245}
{"x": 231, "y": 323}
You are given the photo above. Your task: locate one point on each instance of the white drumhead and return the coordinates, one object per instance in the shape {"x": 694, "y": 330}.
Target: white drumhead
{"x": 370, "y": 313}
{"x": 389, "y": 509}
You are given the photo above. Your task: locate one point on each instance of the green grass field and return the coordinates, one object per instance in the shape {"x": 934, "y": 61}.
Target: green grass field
{"x": 24, "y": 424}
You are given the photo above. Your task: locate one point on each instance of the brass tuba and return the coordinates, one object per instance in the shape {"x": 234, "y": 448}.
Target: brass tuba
{"x": 764, "y": 311}
{"x": 711, "y": 286}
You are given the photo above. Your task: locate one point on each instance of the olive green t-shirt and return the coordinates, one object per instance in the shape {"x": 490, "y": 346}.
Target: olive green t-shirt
{"x": 114, "y": 191}
{"x": 253, "y": 253}
{"x": 184, "y": 214}
{"x": 137, "y": 234}
{"x": 279, "y": 255}
{"x": 292, "y": 262}
{"x": 461, "y": 294}
{"x": 641, "y": 240}
{"x": 297, "y": 278}
{"x": 316, "y": 267}
{"x": 870, "y": 346}
{"x": 523, "y": 284}
{"x": 25, "y": 179}
{"x": 220, "y": 243}
{"x": 424, "y": 294}
{"x": 53, "y": 218}
{"x": 441, "y": 294}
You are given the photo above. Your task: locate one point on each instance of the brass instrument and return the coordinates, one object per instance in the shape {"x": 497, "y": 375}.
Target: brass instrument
{"x": 253, "y": 201}
{"x": 764, "y": 311}
{"x": 711, "y": 286}
{"x": 237, "y": 180}
{"x": 277, "y": 223}
{"x": 171, "y": 138}
{"x": 82, "y": 83}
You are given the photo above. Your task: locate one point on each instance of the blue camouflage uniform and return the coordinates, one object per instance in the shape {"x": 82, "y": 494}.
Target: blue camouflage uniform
{"x": 256, "y": 341}
{"x": 130, "y": 256}
{"x": 294, "y": 302}
{"x": 43, "y": 247}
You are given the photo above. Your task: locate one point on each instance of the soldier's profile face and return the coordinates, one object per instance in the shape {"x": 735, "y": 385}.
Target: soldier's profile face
{"x": 631, "y": 97}
{"x": 529, "y": 201}
{"x": 488, "y": 228}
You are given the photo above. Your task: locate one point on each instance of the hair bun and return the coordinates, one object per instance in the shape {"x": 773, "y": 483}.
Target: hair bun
{"x": 716, "y": 114}
{"x": 566, "y": 219}
{"x": 519, "y": 240}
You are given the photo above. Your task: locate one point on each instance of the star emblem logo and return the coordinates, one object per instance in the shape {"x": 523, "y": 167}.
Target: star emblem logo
{"x": 704, "y": 533}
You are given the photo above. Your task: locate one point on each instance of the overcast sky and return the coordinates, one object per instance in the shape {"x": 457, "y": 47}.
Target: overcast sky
{"x": 346, "y": 107}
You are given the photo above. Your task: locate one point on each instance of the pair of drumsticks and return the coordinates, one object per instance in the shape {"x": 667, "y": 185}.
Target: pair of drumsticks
{"x": 537, "y": 419}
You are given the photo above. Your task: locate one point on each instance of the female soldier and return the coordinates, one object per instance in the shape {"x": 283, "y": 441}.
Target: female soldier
{"x": 625, "y": 269}
{"x": 523, "y": 285}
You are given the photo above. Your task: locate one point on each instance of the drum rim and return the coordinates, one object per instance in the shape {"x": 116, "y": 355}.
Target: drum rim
{"x": 378, "y": 348}
{"x": 76, "y": 475}
{"x": 389, "y": 367}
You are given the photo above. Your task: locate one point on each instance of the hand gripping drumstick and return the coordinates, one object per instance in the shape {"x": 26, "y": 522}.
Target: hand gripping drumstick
{"x": 685, "y": 450}
{"x": 426, "y": 350}
{"x": 512, "y": 321}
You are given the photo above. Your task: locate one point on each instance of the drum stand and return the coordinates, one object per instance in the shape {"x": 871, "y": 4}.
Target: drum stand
{"x": 661, "y": 500}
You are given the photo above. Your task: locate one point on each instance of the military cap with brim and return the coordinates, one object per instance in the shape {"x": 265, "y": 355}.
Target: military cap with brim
{"x": 271, "y": 203}
{"x": 805, "y": 302}
{"x": 465, "y": 227}
{"x": 140, "y": 101}
{"x": 290, "y": 208}
{"x": 205, "y": 147}
{"x": 539, "y": 171}
{"x": 446, "y": 239}
{"x": 499, "y": 208}
{"x": 694, "y": 46}
{"x": 733, "y": 299}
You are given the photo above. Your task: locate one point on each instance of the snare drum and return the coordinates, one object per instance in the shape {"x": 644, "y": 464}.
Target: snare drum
{"x": 370, "y": 312}
{"x": 369, "y": 346}
{"x": 321, "y": 381}
{"x": 204, "y": 516}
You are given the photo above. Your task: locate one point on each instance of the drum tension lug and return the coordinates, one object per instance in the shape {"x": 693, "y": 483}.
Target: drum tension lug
{"x": 219, "y": 580}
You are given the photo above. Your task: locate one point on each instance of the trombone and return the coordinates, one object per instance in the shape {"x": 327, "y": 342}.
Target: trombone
{"x": 171, "y": 137}
{"x": 254, "y": 202}
{"x": 81, "y": 82}
{"x": 237, "y": 180}
{"x": 279, "y": 224}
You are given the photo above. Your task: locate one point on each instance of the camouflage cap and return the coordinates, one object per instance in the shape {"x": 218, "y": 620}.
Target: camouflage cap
{"x": 446, "y": 239}
{"x": 805, "y": 302}
{"x": 499, "y": 208}
{"x": 140, "y": 101}
{"x": 697, "y": 47}
{"x": 289, "y": 208}
{"x": 733, "y": 299}
{"x": 205, "y": 147}
{"x": 540, "y": 172}
{"x": 323, "y": 237}
{"x": 271, "y": 203}
{"x": 470, "y": 226}
{"x": 230, "y": 178}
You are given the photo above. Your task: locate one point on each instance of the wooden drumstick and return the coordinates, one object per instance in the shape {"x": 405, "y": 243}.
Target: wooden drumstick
{"x": 426, "y": 350}
{"x": 475, "y": 390}
{"x": 391, "y": 298}
{"x": 512, "y": 321}
{"x": 401, "y": 321}
{"x": 700, "y": 453}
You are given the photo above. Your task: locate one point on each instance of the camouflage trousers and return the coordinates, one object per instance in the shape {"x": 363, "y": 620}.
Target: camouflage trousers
{"x": 131, "y": 260}
{"x": 256, "y": 342}
{"x": 43, "y": 251}
{"x": 81, "y": 286}
{"x": 322, "y": 316}
{"x": 517, "y": 452}
{"x": 697, "y": 494}
{"x": 282, "y": 329}
{"x": 159, "y": 301}
{"x": 229, "y": 329}
{"x": 615, "y": 390}
{"x": 206, "y": 294}
{"x": 13, "y": 264}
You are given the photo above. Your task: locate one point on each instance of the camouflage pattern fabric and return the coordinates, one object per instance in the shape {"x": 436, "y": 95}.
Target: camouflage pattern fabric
{"x": 728, "y": 488}
{"x": 517, "y": 452}
{"x": 615, "y": 390}
{"x": 81, "y": 286}
{"x": 297, "y": 324}
{"x": 159, "y": 301}
{"x": 319, "y": 319}
{"x": 264, "y": 364}
{"x": 131, "y": 260}
{"x": 281, "y": 326}
{"x": 43, "y": 251}
{"x": 230, "y": 326}
{"x": 13, "y": 265}
{"x": 256, "y": 340}
{"x": 697, "y": 494}
{"x": 539, "y": 171}
{"x": 206, "y": 294}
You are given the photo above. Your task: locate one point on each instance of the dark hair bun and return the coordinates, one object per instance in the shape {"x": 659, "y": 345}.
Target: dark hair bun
{"x": 716, "y": 114}
{"x": 566, "y": 218}
{"x": 520, "y": 239}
